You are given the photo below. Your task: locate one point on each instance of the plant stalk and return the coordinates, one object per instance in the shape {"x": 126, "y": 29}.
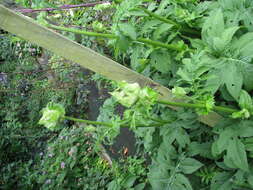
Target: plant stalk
{"x": 169, "y": 21}
{"x": 112, "y": 36}
{"x": 160, "y": 44}
{"x": 76, "y": 31}
{"x": 88, "y": 121}
{"x": 190, "y": 105}
{"x": 163, "y": 19}
{"x": 111, "y": 125}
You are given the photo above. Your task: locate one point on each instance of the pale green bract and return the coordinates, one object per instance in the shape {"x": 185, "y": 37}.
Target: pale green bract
{"x": 178, "y": 91}
{"x": 244, "y": 113}
{"x": 128, "y": 94}
{"x": 246, "y": 105}
{"x": 51, "y": 115}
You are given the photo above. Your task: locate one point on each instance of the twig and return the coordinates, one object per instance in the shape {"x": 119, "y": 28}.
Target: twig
{"x": 63, "y": 7}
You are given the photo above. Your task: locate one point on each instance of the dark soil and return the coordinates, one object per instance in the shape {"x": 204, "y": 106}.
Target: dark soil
{"x": 125, "y": 143}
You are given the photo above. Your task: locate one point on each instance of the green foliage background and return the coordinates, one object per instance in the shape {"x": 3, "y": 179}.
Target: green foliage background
{"x": 203, "y": 48}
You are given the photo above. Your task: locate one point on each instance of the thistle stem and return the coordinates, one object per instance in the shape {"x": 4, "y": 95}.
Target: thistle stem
{"x": 163, "y": 19}
{"x": 225, "y": 109}
{"x": 169, "y": 21}
{"x": 190, "y": 105}
{"x": 161, "y": 122}
{"x": 76, "y": 31}
{"x": 160, "y": 44}
{"x": 88, "y": 121}
{"x": 112, "y": 36}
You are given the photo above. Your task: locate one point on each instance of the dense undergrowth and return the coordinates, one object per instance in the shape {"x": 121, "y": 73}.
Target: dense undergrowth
{"x": 200, "y": 49}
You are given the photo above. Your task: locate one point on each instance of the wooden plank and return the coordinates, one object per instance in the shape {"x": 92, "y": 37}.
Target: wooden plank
{"x": 28, "y": 29}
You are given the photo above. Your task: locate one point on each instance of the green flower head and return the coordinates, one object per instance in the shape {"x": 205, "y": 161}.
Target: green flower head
{"x": 127, "y": 94}
{"x": 178, "y": 91}
{"x": 51, "y": 115}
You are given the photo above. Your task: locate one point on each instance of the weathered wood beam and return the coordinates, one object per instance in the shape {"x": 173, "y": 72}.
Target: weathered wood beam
{"x": 28, "y": 29}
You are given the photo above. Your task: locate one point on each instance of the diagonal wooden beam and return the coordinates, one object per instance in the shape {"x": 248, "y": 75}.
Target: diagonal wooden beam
{"x": 29, "y": 30}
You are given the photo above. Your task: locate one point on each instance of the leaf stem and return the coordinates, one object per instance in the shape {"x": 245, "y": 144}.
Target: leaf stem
{"x": 112, "y": 36}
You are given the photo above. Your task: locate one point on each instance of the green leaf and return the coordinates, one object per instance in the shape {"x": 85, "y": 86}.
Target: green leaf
{"x": 197, "y": 43}
{"x": 237, "y": 154}
{"x": 245, "y": 128}
{"x": 245, "y": 101}
{"x": 223, "y": 140}
{"x": 165, "y": 154}
{"x": 190, "y": 165}
{"x": 225, "y": 94}
{"x": 244, "y": 45}
{"x": 229, "y": 162}
{"x": 248, "y": 142}
{"x": 61, "y": 176}
{"x": 140, "y": 186}
{"x": 250, "y": 180}
{"x": 161, "y": 60}
{"x": 113, "y": 185}
{"x": 213, "y": 82}
{"x": 214, "y": 32}
{"x": 213, "y": 26}
{"x": 202, "y": 149}
{"x": 128, "y": 30}
{"x": 158, "y": 177}
{"x": 122, "y": 44}
{"x": 169, "y": 135}
{"x": 221, "y": 181}
{"x": 129, "y": 181}
{"x": 233, "y": 79}
{"x": 247, "y": 71}
{"x": 181, "y": 183}
{"x": 184, "y": 75}
{"x": 221, "y": 42}
{"x": 163, "y": 28}
{"x": 228, "y": 34}
{"x": 149, "y": 26}
{"x": 182, "y": 137}
{"x": 217, "y": 44}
